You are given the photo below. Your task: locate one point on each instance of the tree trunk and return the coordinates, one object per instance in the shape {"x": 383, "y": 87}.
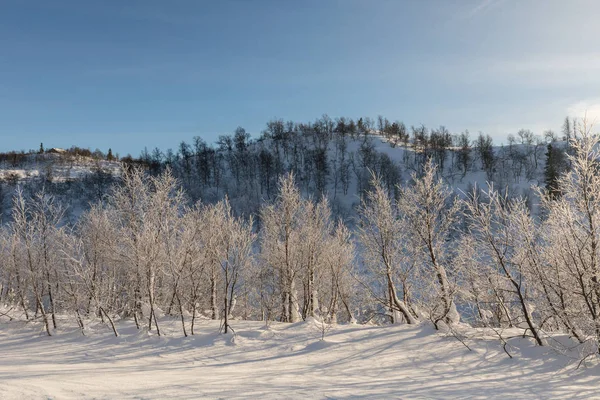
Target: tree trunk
{"x": 400, "y": 306}
{"x": 110, "y": 320}
{"x": 213, "y": 298}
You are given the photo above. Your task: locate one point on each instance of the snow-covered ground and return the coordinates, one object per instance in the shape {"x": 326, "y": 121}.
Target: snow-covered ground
{"x": 57, "y": 167}
{"x": 283, "y": 361}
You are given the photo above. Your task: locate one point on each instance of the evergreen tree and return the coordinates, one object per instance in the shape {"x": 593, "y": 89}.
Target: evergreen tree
{"x": 555, "y": 166}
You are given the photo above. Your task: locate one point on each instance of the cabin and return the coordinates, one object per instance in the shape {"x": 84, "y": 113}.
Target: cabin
{"x": 56, "y": 150}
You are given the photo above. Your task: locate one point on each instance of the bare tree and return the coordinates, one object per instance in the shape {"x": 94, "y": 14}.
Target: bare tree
{"x": 232, "y": 251}
{"x": 570, "y": 233}
{"x": 499, "y": 229}
{"x": 281, "y": 244}
{"x": 381, "y": 235}
{"x": 427, "y": 211}
{"x": 35, "y": 226}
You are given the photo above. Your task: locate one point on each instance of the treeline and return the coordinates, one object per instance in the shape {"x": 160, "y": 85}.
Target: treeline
{"x": 19, "y": 159}
{"x": 425, "y": 255}
{"x": 328, "y": 157}
{"x": 335, "y": 158}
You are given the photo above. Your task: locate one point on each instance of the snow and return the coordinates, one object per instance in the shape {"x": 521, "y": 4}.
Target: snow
{"x": 18, "y": 174}
{"x": 282, "y": 361}
{"x": 58, "y": 167}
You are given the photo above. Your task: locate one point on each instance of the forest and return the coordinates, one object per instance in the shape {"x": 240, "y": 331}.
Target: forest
{"x": 313, "y": 222}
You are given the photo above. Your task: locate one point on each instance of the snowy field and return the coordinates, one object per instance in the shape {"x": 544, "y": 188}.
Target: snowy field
{"x": 283, "y": 361}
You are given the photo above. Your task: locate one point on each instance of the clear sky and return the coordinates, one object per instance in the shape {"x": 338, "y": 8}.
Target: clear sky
{"x": 127, "y": 74}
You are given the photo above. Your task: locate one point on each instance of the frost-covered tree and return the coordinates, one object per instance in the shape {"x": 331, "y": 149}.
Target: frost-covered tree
{"x": 232, "y": 251}
{"x": 427, "y": 213}
{"x": 281, "y": 245}
{"x": 92, "y": 274}
{"x": 144, "y": 208}
{"x": 315, "y": 231}
{"x": 381, "y": 235}
{"x": 501, "y": 243}
{"x": 571, "y": 237}
{"x": 299, "y": 250}
{"x": 35, "y": 227}
{"x": 339, "y": 258}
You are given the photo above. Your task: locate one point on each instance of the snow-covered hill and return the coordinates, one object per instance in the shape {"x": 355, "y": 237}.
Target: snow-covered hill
{"x": 338, "y": 165}
{"x": 76, "y": 180}
{"x": 55, "y": 167}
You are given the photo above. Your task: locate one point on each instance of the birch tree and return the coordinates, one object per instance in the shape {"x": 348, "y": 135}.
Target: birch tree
{"x": 232, "y": 251}
{"x": 499, "y": 229}
{"x": 35, "y": 224}
{"x": 381, "y": 235}
{"x": 571, "y": 235}
{"x": 281, "y": 244}
{"x": 427, "y": 214}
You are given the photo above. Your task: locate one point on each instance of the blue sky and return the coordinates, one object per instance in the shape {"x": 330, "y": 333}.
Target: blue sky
{"x": 129, "y": 74}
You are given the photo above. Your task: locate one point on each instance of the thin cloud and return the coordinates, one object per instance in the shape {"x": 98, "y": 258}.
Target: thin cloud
{"x": 481, "y": 7}
{"x": 588, "y": 110}
{"x": 572, "y": 63}
{"x": 546, "y": 70}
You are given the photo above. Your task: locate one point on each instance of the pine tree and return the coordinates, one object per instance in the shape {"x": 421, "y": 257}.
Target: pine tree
{"x": 555, "y": 166}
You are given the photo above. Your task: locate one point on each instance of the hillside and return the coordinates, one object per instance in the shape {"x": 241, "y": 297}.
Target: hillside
{"x": 327, "y": 160}
{"x": 75, "y": 179}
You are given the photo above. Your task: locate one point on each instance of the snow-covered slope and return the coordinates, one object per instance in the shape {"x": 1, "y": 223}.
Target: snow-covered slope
{"x": 282, "y": 361}
{"x": 55, "y": 167}
{"x": 339, "y": 167}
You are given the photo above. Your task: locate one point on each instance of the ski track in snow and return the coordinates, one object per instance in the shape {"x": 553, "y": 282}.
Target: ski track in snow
{"x": 284, "y": 361}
